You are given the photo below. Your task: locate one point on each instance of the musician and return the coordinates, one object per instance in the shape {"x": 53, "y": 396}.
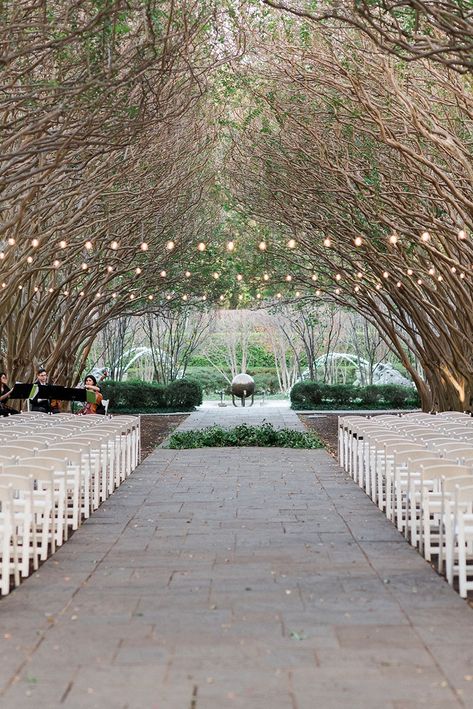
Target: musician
{"x": 90, "y": 383}
{"x": 44, "y": 405}
{"x": 5, "y": 392}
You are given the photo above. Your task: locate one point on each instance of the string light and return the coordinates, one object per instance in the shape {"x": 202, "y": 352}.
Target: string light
{"x": 62, "y": 244}
{"x": 393, "y": 239}
{"x": 258, "y": 295}
{"x": 201, "y": 246}
{"x": 163, "y": 274}
{"x": 30, "y": 259}
{"x": 150, "y": 297}
{"x": 230, "y": 246}
{"x": 338, "y": 277}
{"x": 291, "y": 244}
{"x": 462, "y": 275}
{"x": 88, "y": 245}
{"x": 56, "y": 263}
{"x": 378, "y": 286}
{"x": 359, "y": 274}
{"x": 262, "y": 246}
{"x": 453, "y": 269}
{"x": 168, "y": 297}
{"x": 431, "y": 270}
{"x": 204, "y": 297}
{"x": 222, "y": 298}
{"x": 327, "y": 242}
{"x": 132, "y": 297}
{"x": 419, "y": 281}
{"x": 288, "y": 278}
{"x": 110, "y": 269}
{"x": 170, "y": 245}
{"x": 358, "y": 241}
{"x": 425, "y": 236}
{"x": 239, "y": 277}
{"x": 357, "y": 288}
{"x": 337, "y": 291}
{"x": 461, "y": 235}
{"x": 317, "y": 292}
{"x": 314, "y": 276}
{"x": 84, "y": 266}
{"x": 265, "y": 277}
{"x": 144, "y": 246}
{"x": 399, "y": 284}
{"x": 298, "y": 294}
{"x": 114, "y": 295}
{"x": 240, "y": 297}
{"x": 385, "y": 274}
{"x": 410, "y": 271}
{"x": 34, "y": 243}
{"x": 278, "y": 295}
{"x": 11, "y": 241}
{"x": 216, "y": 275}
{"x": 4, "y": 285}
{"x": 2, "y": 255}
{"x": 440, "y": 278}
{"x": 114, "y": 245}
{"x": 187, "y": 274}
{"x": 138, "y": 271}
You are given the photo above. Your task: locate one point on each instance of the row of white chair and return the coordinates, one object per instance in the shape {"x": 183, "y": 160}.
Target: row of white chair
{"x": 54, "y": 471}
{"x": 418, "y": 468}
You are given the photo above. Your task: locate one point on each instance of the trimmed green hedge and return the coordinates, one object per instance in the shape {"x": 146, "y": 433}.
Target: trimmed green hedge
{"x": 244, "y": 435}
{"x": 144, "y": 397}
{"x": 313, "y": 395}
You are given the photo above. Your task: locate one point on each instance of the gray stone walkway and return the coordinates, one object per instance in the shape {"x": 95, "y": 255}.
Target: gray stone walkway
{"x": 245, "y": 578}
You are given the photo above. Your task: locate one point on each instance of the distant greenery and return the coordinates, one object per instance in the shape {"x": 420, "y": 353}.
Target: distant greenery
{"x": 312, "y": 395}
{"x": 211, "y": 380}
{"x": 244, "y": 435}
{"x": 142, "y": 397}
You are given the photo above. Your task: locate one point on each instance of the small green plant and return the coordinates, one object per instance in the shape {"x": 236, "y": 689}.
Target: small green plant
{"x": 262, "y": 436}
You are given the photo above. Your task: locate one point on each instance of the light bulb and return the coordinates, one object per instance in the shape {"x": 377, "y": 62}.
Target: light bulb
{"x": 262, "y": 246}
{"x": 163, "y": 274}
{"x": 393, "y": 239}
{"x": 216, "y": 275}
{"x": 425, "y": 236}
{"x": 132, "y": 297}
{"x": 34, "y": 243}
{"x": 29, "y": 259}
{"x": 2, "y": 255}
{"x": 462, "y": 275}
{"x": 114, "y": 245}
{"x": 21, "y": 288}
{"x": 239, "y": 277}
{"x": 258, "y": 295}
{"x": 378, "y": 286}
{"x": 266, "y": 277}
{"x": 240, "y": 297}
{"x": 56, "y": 263}
{"x": 222, "y": 298}
{"x": 462, "y": 234}
{"x": 298, "y": 294}
{"x": 385, "y": 274}
{"x": 144, "y": 246}
{"x": 357, "y": 288}
{"x": 410, "y": 271}
{"x": 170, "y": 245}
{"x": 204, "y": 297}
{"x": 337, "y": 291}
{"x": 278, "y": 295}
{"x": 317, "y": 292}
{"x": 314, "y": 276}
{"x": 338, "y": 277}
{"x": 114, "y": 295}
{"x": 453, "y": 269}
{"x": 419, "y": 281}
{"x": 431, "y": 270}
{"x": 291, "y": 244}
{"x": 187, "y": 274}
{"x": 82, "y": 294}
{"x": 399, "y": 284}
{"x": 288, "y": 278}
{"x": 84, "y": 266}
{"x": 62, "y": 244}
{"x": 230, "y": 246}
{"x": 138, "y": 271}
{"x": 201, "y": 246}
{"x": 150, "y": 297}
{"x": 168, "y": 297}
{"x": 88, "y": 245}
{"x": 358, "y": 241}
{"x": 327, "y": 242}
{"x": 11, "y": 241}
{"x": 110, "y": 269}
{"x": 440, "y": 278}
{"x": 184, "y": 297}
{"x": 359, "y": 274}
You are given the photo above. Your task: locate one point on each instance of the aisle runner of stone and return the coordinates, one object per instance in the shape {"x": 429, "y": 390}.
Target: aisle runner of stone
{"x": 246, "y": 578}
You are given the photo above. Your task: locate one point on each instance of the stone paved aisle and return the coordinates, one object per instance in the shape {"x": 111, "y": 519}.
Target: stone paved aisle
{"x": 247, "y": 579}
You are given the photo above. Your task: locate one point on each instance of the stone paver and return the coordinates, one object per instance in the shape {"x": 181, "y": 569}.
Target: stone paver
{"x": 246, "y": 578}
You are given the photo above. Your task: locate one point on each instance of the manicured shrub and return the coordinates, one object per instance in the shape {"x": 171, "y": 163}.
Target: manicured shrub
{"x": 141, "y": 397}
{"x": 244, "y": 435}
{"x": 306, "y": 395}
{"x": 310, "y": 395}
{"x": 184, "y": 394}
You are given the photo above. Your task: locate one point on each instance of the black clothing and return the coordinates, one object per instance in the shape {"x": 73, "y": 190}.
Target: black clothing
{"x": 4, "y": 409}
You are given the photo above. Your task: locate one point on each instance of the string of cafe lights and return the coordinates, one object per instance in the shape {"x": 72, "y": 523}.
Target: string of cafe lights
{"x": 393, "y": 239}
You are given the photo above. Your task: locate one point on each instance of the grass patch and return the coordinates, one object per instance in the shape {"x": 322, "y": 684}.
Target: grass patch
{"x": 264, "y": 436}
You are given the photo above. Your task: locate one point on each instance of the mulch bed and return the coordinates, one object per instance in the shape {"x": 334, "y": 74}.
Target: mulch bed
{"x": 155, "y": 428}
{"x": 326, "y": 427}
